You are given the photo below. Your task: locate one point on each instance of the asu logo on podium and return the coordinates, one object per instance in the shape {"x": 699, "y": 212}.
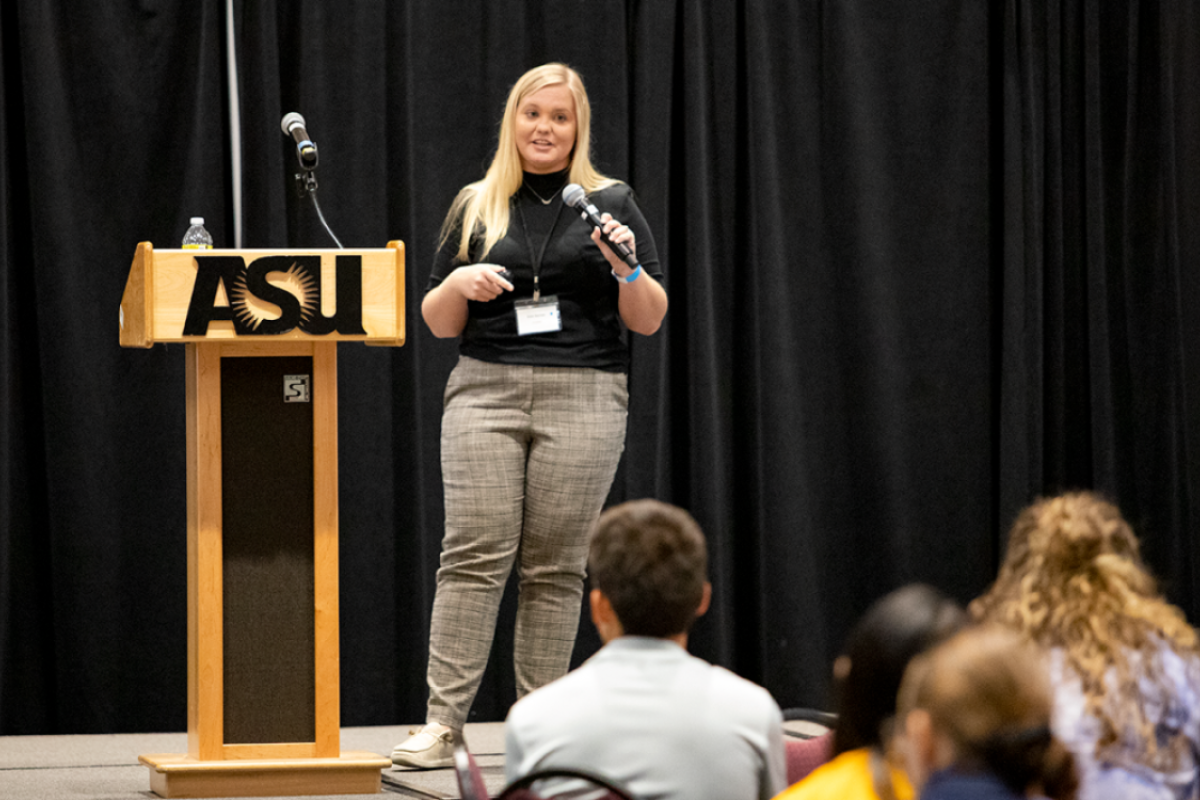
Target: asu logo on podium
{"x": 253, "y": 300}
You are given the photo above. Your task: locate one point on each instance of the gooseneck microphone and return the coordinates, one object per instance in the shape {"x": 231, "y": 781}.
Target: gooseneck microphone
{"x": 574, "y": 196}
{"x": 306, "y": 150}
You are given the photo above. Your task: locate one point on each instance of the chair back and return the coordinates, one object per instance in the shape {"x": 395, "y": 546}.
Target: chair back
{"x": 564, "y": 784}
{"x": 468, "y": 774}
{"x": 825, "y": 719}
{"x": 805, "y": 755}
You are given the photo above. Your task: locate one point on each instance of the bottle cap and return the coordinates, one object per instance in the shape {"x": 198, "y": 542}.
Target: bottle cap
{"x": 197, "y": 220}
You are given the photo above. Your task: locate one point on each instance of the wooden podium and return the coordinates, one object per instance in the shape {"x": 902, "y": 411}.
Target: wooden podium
{"x": 261, "y": 330}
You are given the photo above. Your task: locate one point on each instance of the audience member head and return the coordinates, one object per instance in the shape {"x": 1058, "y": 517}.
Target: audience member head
{"x": 648, "y": 564}
{"x": 867, "y": 674}
{"x": 1073, "y": 579}
{"x": 981, "y": 702}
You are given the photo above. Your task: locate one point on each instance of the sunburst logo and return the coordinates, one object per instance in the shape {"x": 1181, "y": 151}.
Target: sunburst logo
{"x": 253, "y": 311}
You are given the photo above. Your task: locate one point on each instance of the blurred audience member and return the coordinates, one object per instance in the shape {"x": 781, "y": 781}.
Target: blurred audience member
{"x": 866, "y": 678}
{"x": 1124, "y": 663}
{"x": 642, "y": 711}
{"x": 974, "y": 722}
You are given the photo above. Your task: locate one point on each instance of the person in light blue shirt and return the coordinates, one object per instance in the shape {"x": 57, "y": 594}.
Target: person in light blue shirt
{"x": 642, "y": 711}
{"x": 1124, "y": 663}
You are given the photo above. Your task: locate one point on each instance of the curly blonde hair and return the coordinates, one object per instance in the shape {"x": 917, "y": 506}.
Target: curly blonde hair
{"x": 1073, "y": 579}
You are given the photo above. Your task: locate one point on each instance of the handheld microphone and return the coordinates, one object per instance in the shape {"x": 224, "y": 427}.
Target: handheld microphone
{"x": 574, "y": 196}
{"x": 306, "y": 150}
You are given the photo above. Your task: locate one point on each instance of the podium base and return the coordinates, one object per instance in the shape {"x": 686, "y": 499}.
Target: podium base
{"x": 177, "y": 775}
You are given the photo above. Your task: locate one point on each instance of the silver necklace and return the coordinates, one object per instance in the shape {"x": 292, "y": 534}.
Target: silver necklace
{"x": 545, "y": 200}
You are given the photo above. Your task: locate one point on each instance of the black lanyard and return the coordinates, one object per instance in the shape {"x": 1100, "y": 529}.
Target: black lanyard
{"x": 537, "y": 256}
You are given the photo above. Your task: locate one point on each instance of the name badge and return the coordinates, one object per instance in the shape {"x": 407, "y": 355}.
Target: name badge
{"x": 538, "y": 316}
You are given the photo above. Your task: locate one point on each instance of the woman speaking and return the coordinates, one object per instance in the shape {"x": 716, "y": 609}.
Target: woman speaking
{"x": 534, "y": 417}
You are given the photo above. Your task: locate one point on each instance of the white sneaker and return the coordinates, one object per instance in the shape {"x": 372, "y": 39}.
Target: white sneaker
{"x": 430, "y": 747}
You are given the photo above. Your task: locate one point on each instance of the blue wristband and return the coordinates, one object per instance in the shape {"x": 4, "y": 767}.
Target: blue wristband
{"x": 631, "y": 277}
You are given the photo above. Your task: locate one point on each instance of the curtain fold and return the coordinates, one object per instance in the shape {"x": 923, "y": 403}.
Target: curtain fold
{"x": 113, "y": 148}
{"x": 1097, "y": 291}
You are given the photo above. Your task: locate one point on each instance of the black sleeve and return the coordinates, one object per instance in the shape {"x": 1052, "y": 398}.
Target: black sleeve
{"x": 647, "y": 252}
{"x": 445, "y": 260}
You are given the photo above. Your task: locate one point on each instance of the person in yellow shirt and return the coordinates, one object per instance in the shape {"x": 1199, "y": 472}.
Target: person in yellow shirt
{"x": 895, "y": 629}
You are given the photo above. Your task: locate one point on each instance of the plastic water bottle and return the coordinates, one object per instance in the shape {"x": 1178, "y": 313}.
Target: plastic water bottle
{"x": 197, "y": 238}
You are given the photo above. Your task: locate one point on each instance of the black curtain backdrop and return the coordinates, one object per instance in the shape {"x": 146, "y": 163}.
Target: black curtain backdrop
{"x": 926, "y": 261}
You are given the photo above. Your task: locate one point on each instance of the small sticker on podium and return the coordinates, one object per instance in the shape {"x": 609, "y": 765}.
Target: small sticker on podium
{"x": 296, "y": 389}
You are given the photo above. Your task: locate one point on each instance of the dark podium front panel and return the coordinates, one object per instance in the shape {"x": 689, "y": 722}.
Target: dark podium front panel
{"x": 267, "y": 543}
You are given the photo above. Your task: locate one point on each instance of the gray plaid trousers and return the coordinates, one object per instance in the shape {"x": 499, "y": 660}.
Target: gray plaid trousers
{"x": 528, "y": 457}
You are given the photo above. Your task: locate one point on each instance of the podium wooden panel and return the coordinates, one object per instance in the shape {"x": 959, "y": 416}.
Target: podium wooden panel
{"x": 263, "y": 693}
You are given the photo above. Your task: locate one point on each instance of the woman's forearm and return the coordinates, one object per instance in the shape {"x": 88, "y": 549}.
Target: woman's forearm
{"x": 642, "y": 304}
{"x": 444, "y": 311}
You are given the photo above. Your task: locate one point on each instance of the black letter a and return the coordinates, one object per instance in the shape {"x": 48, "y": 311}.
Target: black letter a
{"x": 210, "y": 272}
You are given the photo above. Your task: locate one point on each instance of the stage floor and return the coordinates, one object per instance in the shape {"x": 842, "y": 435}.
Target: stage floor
{"x": 105, "y": 767}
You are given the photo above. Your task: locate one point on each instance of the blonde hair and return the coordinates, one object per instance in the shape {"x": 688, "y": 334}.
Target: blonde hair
{"x": 481, "y": 209}
{"x": 986, "y": 690}
{"x": 1073, "y": 578}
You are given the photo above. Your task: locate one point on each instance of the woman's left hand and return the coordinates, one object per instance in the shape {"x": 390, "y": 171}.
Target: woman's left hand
{"x": 619, "y": 234}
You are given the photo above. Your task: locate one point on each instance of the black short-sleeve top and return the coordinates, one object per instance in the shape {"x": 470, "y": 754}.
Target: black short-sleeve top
{"x": 572, "y": 269}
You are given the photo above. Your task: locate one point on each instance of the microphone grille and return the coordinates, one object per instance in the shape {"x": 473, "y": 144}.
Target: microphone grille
{"x": 290, "y": 120}
{"x": 573, "y": 195}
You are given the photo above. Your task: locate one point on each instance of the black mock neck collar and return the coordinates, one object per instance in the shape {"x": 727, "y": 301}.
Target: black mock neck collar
{"x": 548, "y": 183}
